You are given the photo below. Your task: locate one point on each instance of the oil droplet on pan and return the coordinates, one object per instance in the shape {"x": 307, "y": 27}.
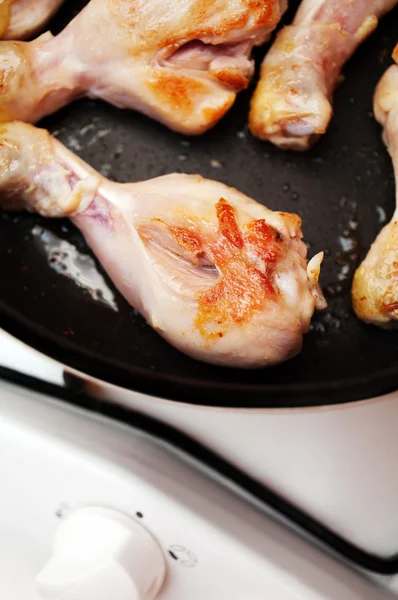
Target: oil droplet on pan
{"x": 64, "y": 258}
{"x": 381, "y": 214}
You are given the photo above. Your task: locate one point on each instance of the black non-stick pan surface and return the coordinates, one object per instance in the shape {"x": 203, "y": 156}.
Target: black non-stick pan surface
{"x": 343, "y": 188}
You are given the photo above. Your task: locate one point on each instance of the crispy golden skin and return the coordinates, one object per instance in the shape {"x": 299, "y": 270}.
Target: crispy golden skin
{"x": 181, "y": 63}
{"x": 375, "y": 285}
{"x": 292, "y": 104}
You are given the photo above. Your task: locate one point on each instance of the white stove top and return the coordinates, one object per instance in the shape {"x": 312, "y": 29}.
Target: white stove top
{"x": 64, "y": 459}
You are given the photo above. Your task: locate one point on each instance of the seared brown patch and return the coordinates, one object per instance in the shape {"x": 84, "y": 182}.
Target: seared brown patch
{"x": 395, "y": 54}
{"x": 389, "y": 307}
{"x": 229, "y": 227}
{"x": 293, "y": 221}
{"x": 202, "y": 19}
{"x": 246, "y": 260}
{"x": 267, "y": 11}
{"x": 175, "y": 90}
{"x": 201, "y": 12}
{"x": 231, "y": 77}
{"x": 243, "y": 288}
{"x": 265, "y": 240}
{"x": 213, "y": 115}
{"x": 187, "y": 239}
{"x": 242, "y": 291}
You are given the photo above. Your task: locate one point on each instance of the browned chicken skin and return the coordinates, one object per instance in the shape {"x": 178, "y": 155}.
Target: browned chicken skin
{"x": 221, "y": 277}
{"x": 180, "y": 63}
{"x": 292, "y": 104}
{"x": 375, "y": 286}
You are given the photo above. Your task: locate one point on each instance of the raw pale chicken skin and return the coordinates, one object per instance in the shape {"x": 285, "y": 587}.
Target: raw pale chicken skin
{"x": 292, "y": 104}
{"x": 180, "y": 62}
{"x": 22, "y": 19}
{"x": 375, "y": 286}
{"x": 219, "y": 276}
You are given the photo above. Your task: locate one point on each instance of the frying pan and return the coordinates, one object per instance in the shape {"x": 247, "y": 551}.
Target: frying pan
{"x": 343, "y": 188}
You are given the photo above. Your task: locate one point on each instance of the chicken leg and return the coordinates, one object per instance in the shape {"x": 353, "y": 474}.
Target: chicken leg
{"x": 22, "y": 19}
{"x": 375, "y": 285}
{"x": 222, "y": 278}
{"x": 292, "y": 104}
{"x": 179, "y": 62}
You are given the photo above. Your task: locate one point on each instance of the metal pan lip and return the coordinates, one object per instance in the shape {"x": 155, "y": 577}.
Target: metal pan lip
{"x": 197, "y": 391}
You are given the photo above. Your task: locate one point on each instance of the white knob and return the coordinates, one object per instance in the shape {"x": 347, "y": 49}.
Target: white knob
{"x": 102, "y": 554}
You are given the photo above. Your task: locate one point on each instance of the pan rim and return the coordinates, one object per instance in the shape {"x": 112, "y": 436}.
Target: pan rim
{"x": 195, "y": 391}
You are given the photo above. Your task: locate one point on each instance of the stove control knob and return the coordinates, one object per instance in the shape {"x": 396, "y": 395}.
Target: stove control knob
{"x": 100, "y": 553}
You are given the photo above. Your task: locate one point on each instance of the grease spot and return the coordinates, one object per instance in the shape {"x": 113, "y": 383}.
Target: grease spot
{"x": 64, "y": 258}
{"x": 381, "y": 214}
{"x": 216, "y": 164}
